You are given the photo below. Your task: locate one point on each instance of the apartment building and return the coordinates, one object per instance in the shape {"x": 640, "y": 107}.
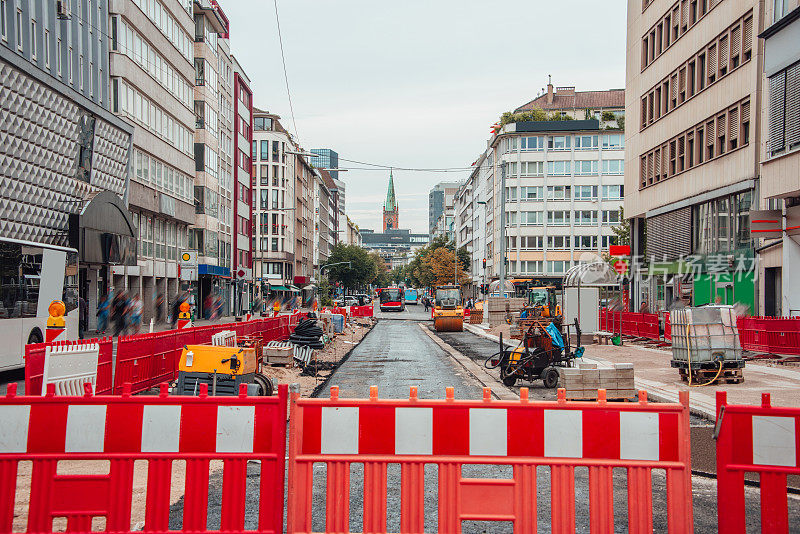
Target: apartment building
{"x": 324, "y": 210}
{"x": 779, "y": 255}
{"x": 304, "y": 183}
{"x": 693, "y": 91}
{"x": 273, "y": 205}
{"x": 244, "y": 196}
{"x": 440, "y": 201}
{"x": 462, "y": 207}
{"x": 64, "y": 156}
{"x": 563, "y": 186}
{"x": 151, "y": 69}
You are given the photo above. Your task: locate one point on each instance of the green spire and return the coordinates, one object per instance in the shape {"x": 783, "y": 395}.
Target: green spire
{"x": 391, "y": 202}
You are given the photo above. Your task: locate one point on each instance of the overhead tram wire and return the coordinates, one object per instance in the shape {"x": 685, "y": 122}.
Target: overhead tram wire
{"x": 418, "y": 169}
{"x": 286, "y": 76}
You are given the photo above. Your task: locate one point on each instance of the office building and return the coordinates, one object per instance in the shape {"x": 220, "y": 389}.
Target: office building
{"x": 693, "y": 86}
{"x": 325, "y": 159}
{"x": 65, "y": 159}
{"x": 151, "y": 66}
{"x": 395, "y": 246}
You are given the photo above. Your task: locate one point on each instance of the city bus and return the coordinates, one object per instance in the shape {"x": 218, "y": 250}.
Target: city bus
{"x": 391, "y": 298}
{"x": 32, "y": 275}
{"x": 411, "y": 296}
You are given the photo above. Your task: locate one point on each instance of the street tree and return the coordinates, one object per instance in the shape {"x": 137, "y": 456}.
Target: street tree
{"x": 441, "y": 268}
{"x": 360, "y": 271}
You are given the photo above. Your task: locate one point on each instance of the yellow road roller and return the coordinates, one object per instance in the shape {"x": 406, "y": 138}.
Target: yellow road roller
{"x": 448, "y": 315}
{"x": 222, "y": 368}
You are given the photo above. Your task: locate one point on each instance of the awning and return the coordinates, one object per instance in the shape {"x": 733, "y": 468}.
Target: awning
{"x": 310, "y": 287}
{"x": 293, "y": 289}
{"x": 103, "y": 232}
{"x": 278, "y": 288}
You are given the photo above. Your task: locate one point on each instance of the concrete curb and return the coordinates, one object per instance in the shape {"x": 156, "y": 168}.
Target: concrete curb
{"x": 499, "y": 390}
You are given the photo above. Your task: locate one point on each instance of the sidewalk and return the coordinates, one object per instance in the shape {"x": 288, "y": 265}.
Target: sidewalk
{"x": 653, "y": 374}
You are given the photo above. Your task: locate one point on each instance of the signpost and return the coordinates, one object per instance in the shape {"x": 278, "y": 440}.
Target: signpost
{"x": 187, "y": 267}
{"x": 621, "y": 253}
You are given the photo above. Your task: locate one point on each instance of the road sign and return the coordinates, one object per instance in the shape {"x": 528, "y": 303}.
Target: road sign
{"x": 188, "y": 258}
{"x": 619, "y": 250}
{"x": 189, "y": 274}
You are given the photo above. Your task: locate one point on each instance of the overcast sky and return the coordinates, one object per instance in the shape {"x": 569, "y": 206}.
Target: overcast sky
{"x": 417, "y": 83}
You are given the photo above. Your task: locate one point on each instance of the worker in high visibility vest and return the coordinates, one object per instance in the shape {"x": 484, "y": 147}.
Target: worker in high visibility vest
{"x": 55, "y": 323}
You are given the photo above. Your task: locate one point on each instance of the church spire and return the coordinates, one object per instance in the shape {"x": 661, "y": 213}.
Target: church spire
{"x": 391, "y": 201}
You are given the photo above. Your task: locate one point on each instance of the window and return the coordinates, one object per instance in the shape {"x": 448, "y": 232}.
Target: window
{"x": 274, "y": 244}
{"x": 18, "y": 29}
{"x": 530, "y": 218}
{"x": 558, "y": 267}
{"x": 47, "y": 49}
{"x": 3, "y": 19}
{"x": 783, "y": 111}
{"x": 529, "y": 267}
{"x": 69, "y": 64}
{"x": 511, "y": 194}
{"x": 779, "y": 9}
{"x": 613, "y": 166}
{"x": 608, "y": 240}
{"x": 611, "y": 217}
{"x": 585, "y": 217}
{"x": 532, "y": 168}
{"x": 531, "y": 193}
{"x": 586, "y": 242}
{"x": 558, "y": 218}
{"x": 558, "y": 168}
{"x": 558, "y": 242}
{"x": 613, "y": 192}
{"x": 585, "y": 192}
{"x": 531, "y": 242}
{"x": 614, "y": 141}
{"x": 558, "y": 192}
{"x": 528, "y": 144}
{"x": 33, "y": 39}
{"x": 585, "y": 142}
{"x": 583, "y": 168}
{"x": 264, "y": 199}
{"x": 264, "y": 151}
{"x": 559, "y": 142}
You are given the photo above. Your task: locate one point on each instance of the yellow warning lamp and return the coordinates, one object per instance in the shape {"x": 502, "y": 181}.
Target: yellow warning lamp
{"x": 184, "y": 314}
{"x": 276, "y": 307}
{"x": 57, "y": 309}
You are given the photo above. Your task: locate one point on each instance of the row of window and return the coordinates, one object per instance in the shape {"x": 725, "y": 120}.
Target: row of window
{"x": 278, "y": 199}
{"x": 125, "y": 40}
{"x": 261, "y": 174}
{"x": 672, "y": 25}
{"x": 712, "y": 138}
{"x": 171, "y": 28}
{"x": 562, "y": 217}
{"x": 204, "y": 74}
{"x": 158, "y": 238}
{"x": 162, "y": 177}
{"x": 562, "y": 142}
{"x": 128, "y": 100}
{"x": 563, "y": 168}
{"x": 277, "y": 227}
{"x": 724, "y": 54}
{"x": 564, "y": 192}
{"x": 784, "y": 110}
{"x": 276, "y": 155}
{"x": 272, "y": 244}
{"x": 537, "y": 267}
{"x": 559, "y": 242}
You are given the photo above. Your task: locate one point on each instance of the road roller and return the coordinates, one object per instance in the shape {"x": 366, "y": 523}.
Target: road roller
{"x": 448, "y": 315}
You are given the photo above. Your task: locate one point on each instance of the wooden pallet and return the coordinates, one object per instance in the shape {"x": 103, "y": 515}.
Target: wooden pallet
{"x": 701, "y": 376}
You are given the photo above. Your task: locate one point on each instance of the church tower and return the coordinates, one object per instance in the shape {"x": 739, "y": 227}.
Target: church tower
{"x": 390, "y": 207}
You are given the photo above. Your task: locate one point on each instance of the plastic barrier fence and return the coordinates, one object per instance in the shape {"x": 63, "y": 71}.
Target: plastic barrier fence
{"x": 69, "y": 367}
{"x": 667, "y": 327}
{"x": 758, "y": 439}
{"x": 774, "y": 335}
{"x": 34, "y": 364}
{"x": 631, "y": 323}
{"x": 452, "y": 433}
{"x": 159, "y": 429}
{"x": 361, "y": 311}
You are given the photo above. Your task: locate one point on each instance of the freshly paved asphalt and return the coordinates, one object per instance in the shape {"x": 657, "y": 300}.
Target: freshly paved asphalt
{"x": 397, "y": 354}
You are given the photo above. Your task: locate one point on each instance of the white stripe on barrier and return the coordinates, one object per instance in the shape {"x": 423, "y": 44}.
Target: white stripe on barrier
{"x": 339, "y": 430}
{"x": 638, "y": 436}
{"x": 488, "y": 432}
{"x": 774, "y": 441}
{"x": 413, "y": 431}
{"x": 235, "y": 428}
{"x": 86, "y": 428}
{"x": 563, "y": 433}
{"x": 14, "y": 428}
{"x": 161, "y": 426}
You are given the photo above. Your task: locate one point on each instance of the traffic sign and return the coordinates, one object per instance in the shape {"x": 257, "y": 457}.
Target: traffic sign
{"x": 619, "y": 250}
{"x": 188, "y": 258}
{"x": 189, "y": 274}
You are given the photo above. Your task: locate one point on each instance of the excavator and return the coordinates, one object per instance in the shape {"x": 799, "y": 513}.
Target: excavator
{"x": 542, "y": 307}
{"x": 448, "y": 315}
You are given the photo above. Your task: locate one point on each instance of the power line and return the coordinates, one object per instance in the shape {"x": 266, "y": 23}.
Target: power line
{"x": 286, "y": 76}
{"x": 418, "y": 169}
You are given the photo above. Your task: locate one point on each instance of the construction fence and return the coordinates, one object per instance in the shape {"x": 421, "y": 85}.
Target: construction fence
{"x": 427, "y": 459}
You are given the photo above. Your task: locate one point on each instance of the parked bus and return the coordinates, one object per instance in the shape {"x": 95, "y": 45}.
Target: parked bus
{"x": 391, "y": 298}
{"x": 32, "y": 275}
{"x": 411, "y": 296}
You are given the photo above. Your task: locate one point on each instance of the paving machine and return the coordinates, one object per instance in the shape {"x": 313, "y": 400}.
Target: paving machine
{"x": 542, "y": 350}
{"x": 223, "y": 369}
{"x": 448, "y": 315}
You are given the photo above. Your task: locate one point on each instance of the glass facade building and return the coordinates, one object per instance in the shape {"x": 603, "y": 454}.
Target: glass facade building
{"x": 325, "y": 159}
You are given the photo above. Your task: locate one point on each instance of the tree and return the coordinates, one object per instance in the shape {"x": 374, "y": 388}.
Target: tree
{"x": 381, "y": 271}
{"x": 361, "y": 271}
{"x": 442, "y": 268}
{"x": 325, "y": 292}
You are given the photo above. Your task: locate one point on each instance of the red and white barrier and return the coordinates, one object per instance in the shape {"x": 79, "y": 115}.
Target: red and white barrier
{"x": 69, "y": 367}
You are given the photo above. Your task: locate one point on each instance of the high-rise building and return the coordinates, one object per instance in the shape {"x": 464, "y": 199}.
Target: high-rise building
{"x": 390, "y": 209}
{"x": 440, "y": 200}
{"x": 326, "y": 158}
{"x": 152, "y": 74}
{"x": 693, "y": 86}
{"x": 64, "y": 157}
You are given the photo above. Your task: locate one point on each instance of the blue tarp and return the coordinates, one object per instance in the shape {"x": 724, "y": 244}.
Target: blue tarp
{"x": 558, "y": 341}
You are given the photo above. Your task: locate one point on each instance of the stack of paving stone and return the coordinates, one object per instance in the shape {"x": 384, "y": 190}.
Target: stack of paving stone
{"x": 582, "y": 382}
{"x": 498, "y": 307}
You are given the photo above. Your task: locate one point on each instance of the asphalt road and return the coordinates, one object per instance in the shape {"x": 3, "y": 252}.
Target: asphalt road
{"x": 397, "y": 354}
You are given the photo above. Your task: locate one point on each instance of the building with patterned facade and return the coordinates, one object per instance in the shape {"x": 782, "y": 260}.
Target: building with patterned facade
{"x": 64, "y": 157}
{"x": 152, "y": 77}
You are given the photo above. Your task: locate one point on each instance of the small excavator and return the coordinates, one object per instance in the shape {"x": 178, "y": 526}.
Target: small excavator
{"x": 448, "y": 315}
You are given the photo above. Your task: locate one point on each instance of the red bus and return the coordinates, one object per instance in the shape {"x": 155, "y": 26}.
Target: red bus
{"x": 392, "y": 298}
